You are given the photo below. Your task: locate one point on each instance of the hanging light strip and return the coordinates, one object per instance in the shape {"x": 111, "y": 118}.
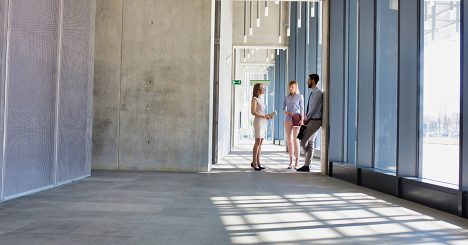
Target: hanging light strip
{"x": 258, "y": 13}
{"x": 279, "y": 25}
{"x": 244, "y": 55}
{"x": 267, "y": 57}
{"x": 266, "y": 8}
{"x": 299, "y": 14}
{"x": 245, "y": 20}
{"x": 250, "y": 21}
{"x": 312, "y": 10}
{"x": 289, "y": 21}
{"x": 308, "y": 23}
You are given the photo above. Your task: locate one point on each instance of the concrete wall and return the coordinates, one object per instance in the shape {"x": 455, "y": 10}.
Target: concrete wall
{"x": 153, "y": 85}
{"x": 107, "y": 84}
{"x": 225, "y": 75}
{"x": 47, "y": 78}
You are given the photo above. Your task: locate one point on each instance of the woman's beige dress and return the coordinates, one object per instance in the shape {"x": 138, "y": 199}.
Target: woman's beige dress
{"x": 259, "y": 123}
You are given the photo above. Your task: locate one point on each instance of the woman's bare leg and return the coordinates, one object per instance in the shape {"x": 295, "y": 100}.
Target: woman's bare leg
{"x": 255, "y": 151}
{"x": 259, "y": 152}
{"x": 295, "y": 141}
{"x": 289, "y": 128}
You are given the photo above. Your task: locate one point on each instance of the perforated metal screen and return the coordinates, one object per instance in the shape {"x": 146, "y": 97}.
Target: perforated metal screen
{"x": 30, "y": 95}
{"x": 3, "y": 8}
{"x": 48, "y": 96}
{"x": 74, "y": 100}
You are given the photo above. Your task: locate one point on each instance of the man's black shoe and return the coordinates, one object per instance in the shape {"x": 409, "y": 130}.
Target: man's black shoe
{"x": 303, "y": 169}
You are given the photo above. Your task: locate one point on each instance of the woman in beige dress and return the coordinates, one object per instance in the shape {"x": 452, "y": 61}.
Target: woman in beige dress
{"x": 257, "y": 108}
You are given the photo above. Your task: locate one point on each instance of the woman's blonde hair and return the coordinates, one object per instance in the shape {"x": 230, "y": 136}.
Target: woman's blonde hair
{"x": 297, "y": 87}
{"x": 256, "y": 90}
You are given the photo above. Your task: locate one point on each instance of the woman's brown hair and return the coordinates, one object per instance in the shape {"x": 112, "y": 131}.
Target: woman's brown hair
{"x": 297, "y": 87}
{"x": 256, "y": 90}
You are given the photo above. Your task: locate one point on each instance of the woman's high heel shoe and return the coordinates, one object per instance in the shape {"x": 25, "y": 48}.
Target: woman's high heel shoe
{"x": 260, "y": 166}
{"x": 256, "y": 169}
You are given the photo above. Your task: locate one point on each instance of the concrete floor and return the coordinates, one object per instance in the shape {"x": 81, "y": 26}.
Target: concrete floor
{"x": 230, "y": 205}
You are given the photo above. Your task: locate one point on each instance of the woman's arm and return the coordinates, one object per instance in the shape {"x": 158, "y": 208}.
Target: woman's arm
{"x": 301, "y": 105}
{"x": 284, "y": 104}
{"x": 253, "y": 109}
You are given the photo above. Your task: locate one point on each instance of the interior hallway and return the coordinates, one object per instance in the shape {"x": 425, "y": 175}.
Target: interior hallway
{"x": 230, "y": 205}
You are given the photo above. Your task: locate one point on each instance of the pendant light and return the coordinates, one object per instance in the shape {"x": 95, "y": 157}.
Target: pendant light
{"x": 245, "y": 20}
{"x": 299, "y": 14}
{"x": 258, "y": 13}
{"x": 250, "y": 21}
{"x": 279, "y": 25}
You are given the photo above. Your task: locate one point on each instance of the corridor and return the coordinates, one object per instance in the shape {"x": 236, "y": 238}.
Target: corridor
{"x": 230, "y": 205}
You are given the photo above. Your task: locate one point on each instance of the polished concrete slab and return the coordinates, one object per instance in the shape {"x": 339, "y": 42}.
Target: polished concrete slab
{"x": 230, "y": 205}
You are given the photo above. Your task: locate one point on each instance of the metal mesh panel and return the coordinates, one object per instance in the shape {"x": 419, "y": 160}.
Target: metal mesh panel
{"x": 3, "y": 10}
{"x": 74, "y": 86}
{"x": 31, "y": 88}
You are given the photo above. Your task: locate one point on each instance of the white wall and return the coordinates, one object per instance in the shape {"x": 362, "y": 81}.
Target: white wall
{"x": 225, "y": 75}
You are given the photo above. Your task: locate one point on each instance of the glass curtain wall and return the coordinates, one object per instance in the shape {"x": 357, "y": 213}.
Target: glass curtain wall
{"x": 352, "y": 75}
{"x": 386, "y": 84}
{"x": 440, "y": 90}
{"x": 317, "y": 9}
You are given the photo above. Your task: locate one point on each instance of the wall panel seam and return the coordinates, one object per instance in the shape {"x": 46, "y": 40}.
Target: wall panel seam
{"x": 120, "y": 84}
{"x": 57, "y": 91}
{"x": 5, "y": 112}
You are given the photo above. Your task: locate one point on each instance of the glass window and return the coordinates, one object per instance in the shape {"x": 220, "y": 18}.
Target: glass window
{"x": 440, "y": 91}
{"x": 351, "y": 89}
{"x": 318, "y": 10}
{"x": 386, "y": 84}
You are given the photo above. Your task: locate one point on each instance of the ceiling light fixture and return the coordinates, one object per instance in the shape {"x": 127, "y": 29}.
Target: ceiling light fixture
{"x": 288, "y": 31}
{"x": 299, "y": 14}
{"x": 245, "y": 17}
{"x": 258, "y": 13}
{"x": 266, "y": 8}
{"x": 250, "y": 21}
{"x": 394, "y": 4}
{"x": 279, "y": 26}
{"x": 312, "y": 10}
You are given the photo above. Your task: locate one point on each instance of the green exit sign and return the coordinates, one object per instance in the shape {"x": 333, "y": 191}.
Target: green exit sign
{"x": 237, "y": 82}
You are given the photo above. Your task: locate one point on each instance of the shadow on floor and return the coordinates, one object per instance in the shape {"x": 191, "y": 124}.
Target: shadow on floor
{"x": 222, "y": 207}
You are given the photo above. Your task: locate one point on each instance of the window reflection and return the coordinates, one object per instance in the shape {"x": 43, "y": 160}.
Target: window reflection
{"x": 386, "y": 86}
{"x": 440, "y": 91}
